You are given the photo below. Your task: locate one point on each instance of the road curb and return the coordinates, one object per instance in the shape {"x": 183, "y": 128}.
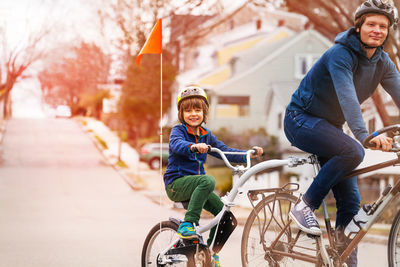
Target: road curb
{"x": 109, "y": 160}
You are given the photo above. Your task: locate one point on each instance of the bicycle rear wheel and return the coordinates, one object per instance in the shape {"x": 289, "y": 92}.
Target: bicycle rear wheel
{"x": 394, "y": 242}
{"x": 270, "y": 238}
{"x": 158, "y": 239}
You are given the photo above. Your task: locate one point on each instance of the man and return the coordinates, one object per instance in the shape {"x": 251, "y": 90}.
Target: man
{"x": 329, "y": 95}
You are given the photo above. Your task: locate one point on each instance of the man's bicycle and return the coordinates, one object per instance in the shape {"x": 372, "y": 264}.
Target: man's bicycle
{"x": 270, "y": 237}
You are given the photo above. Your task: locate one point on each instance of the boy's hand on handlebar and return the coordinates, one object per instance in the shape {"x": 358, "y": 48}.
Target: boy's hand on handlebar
{"x": 201, "y": 148}
{"x": 382, "y": 142}
{"x": 259, "y": 152}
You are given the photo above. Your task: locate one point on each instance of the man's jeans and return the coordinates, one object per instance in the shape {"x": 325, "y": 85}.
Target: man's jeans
{"x": 338, "y": 154}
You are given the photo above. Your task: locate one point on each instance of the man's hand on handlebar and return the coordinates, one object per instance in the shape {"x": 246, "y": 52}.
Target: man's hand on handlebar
{"x": 201, "y": 148}
{"x": 382, "y": 142}
{"x": 259, "y": 152}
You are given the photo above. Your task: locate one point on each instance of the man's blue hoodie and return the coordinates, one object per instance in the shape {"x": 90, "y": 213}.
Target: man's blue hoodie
{"x": 343, "y": 78}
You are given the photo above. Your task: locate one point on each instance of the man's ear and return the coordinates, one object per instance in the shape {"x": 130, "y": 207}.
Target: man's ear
{"x": 357, "y": 29}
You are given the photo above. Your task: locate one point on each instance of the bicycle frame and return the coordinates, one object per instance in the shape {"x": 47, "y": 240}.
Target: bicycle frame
{"x": 248, "y": 172}
{"x": 229, "y": 198}
{"x": 382, "y": 206}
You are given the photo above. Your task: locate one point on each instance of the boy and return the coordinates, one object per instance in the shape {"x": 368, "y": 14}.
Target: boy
{"x": 185, "y": 178}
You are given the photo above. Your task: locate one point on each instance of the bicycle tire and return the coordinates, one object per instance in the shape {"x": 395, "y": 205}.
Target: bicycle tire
{"x": 258, "y": 252}
{"x": 394, "y": 242}
{"x": 152, "y": 246}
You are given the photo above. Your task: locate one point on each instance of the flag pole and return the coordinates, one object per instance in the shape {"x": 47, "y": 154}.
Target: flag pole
{"x": 153, "y": 45}
{"x": 161, "y": 127}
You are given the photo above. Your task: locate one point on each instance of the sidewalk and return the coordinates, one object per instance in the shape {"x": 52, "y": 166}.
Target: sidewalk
{"x": 149, "y": 182}
{"x": 108, "y": 143}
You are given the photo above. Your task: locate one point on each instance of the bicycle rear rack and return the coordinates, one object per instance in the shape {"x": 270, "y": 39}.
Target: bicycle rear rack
{"x": 287, "y": 188}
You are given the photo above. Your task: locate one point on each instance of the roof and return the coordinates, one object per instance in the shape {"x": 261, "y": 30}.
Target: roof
{"x": 255, "y": 43}
{"x": 286, "y": 44}
{"x": 274, "y": 40}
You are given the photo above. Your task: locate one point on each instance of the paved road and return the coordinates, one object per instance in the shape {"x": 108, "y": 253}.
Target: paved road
{"x": 62, "y": 205}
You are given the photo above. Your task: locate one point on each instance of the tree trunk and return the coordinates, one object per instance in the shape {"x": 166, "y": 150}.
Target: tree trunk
{"x": 6, "y": 106}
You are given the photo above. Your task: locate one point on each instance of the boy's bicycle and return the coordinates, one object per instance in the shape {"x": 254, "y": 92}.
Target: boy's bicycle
{"x": 270, "y": 237}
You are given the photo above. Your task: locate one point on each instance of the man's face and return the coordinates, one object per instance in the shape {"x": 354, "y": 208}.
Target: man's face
{"x": 374, "y": 30}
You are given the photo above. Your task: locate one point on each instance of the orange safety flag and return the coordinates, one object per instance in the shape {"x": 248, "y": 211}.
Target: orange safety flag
{"x": 153, "y": 44}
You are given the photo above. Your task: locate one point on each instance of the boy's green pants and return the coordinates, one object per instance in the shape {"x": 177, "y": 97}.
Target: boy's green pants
{"x": 199, "y": 189}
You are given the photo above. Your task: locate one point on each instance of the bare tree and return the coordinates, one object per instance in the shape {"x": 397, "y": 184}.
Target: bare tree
{"x": 18, "y": 56}
{"x": 16, "y": 61}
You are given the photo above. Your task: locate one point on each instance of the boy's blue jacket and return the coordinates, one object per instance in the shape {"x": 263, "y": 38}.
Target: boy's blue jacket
{"x": 343, "y": 78}
{"x": 183, "y": 162}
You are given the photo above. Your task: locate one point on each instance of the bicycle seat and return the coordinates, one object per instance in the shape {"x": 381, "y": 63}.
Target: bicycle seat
{"x": 181, "y": 204}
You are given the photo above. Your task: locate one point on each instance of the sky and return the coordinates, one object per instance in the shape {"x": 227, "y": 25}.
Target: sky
{"x": 23, "y": 16}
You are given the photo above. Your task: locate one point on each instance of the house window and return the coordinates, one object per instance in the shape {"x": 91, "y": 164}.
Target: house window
{"x": 371, "y": 125}
{"x": 233, "y": 106}
{"x": 303, "y": 63}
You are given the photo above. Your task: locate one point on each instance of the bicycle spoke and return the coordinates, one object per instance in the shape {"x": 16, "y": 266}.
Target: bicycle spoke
{"x": 271, "y": 239}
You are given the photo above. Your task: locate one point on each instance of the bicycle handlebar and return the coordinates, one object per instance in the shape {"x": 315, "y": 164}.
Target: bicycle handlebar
{"x": 395, "y": 127}
{"x": 225, "y": 159}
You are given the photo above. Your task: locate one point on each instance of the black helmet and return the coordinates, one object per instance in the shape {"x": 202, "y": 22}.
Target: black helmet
{"x": 380, "y": 7}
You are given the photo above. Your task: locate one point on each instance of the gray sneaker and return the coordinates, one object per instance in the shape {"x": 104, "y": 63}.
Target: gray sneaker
{"x": 305, "y": 220}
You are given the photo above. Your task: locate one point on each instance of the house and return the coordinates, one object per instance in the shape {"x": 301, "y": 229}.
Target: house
{"x": 200, "y": 58}
{"x": 263, "y": 80}
{"x": 193, "y": 37}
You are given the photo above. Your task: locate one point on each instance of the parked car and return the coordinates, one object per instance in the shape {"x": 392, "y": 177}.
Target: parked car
{"x": 63, "y": 111}
{"x": 150, "y": 153}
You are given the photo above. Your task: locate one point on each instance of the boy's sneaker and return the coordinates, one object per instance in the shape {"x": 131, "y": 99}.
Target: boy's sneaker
{"x": 305, "y": 219}
{"x": 216, "y": 260}
{"x": 186, "y": 230}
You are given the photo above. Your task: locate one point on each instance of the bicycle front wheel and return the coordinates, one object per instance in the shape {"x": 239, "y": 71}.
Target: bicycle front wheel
{"x": 394, "y": 243}
{"x": 270, "y": 238}
{"x": 159, "y": 238}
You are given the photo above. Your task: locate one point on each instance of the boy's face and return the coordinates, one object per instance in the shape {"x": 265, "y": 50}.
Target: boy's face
{"x": 374, "y": 30}
{"x": 193, "y": 116}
